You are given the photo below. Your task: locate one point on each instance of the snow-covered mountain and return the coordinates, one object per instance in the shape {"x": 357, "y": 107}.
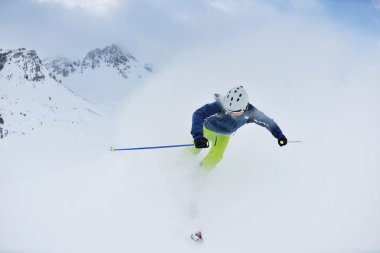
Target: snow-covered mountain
{"x": 63, "y": 66}
{"x": 28, "y": 65}
{"x": 111, "y": 56}
{"x": 31, "y": 97}
{"x": 35, "y": 92}
{"x": 104, "y": 76}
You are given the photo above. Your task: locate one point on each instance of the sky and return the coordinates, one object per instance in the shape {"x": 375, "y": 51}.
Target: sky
{"x": 156, "y": 31}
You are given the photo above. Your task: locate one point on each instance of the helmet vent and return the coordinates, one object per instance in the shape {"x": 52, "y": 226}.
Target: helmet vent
{"x": 236, "y": 99}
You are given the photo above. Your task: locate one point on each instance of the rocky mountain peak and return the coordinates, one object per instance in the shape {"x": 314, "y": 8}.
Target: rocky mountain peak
{"x": 63, "y": 66}
{"x": 111, "y": 56}
{"x": 26, "y": 60}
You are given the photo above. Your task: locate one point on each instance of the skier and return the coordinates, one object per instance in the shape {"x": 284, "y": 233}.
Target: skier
{"x": 216, "y": 121}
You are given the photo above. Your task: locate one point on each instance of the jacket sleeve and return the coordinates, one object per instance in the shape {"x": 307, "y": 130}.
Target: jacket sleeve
{"x": 201, "y": 114}
{"x": 261, "y": 119}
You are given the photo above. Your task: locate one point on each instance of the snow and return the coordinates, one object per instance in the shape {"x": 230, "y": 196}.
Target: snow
{"x": 104, "y": 77}
{"x": 103, "y": 86}
{"x": 66, "y": 192}
{"x": 26, "y": 106}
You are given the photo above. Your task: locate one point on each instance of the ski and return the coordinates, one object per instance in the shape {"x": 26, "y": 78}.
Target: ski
{"x": 197, "y": 236}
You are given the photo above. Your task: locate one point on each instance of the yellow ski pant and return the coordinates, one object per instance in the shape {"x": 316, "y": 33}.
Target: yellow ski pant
{"x": 218, "y": 144}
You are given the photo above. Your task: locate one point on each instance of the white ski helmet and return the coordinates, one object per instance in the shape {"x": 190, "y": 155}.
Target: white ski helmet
{"x": 236, "y": 99}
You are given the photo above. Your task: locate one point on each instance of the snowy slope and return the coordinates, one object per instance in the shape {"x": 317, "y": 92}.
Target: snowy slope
{"x": 318, "y": 196}
{"x": 32, "y": 98}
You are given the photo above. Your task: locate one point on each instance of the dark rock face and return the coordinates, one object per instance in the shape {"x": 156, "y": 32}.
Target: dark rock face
{"x": 27, "y": 60}
{"x": 3, "y": 60}
{"x": 63, "y": 66}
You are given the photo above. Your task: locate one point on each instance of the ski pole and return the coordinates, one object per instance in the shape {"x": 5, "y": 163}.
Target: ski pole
{"x": 153, "y": 147}
{"x": 282, "y": 142}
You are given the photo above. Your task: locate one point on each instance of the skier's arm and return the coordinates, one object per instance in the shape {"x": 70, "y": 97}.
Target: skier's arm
{"x": 261, "y": 119}
{"x": 201, "y": 114}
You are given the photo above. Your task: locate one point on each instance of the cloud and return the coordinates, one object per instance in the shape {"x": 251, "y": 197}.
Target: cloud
{"x": 182, "y": 16}
{"x": 221, "y": 6}
{"x": 154, "y": 29}
{"x": 98, "y": 7}
{"x": 376, "y": 4}
{"x": 313, "y": 4}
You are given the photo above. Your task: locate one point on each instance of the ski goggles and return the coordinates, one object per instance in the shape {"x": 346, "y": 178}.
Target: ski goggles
{"x": 237, "y": 113}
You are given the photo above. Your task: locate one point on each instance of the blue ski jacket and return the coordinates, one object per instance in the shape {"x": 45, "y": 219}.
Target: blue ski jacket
{"x": 216, "y": 119}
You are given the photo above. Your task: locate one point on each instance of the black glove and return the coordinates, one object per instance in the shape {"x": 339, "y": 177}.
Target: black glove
{"x": 282, "y": 141}
{"x": 200, "y": 141}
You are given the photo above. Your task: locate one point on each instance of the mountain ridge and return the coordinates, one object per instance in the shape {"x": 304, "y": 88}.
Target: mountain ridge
{"x": 111, "y": 56}
{"x": 35, "y": 93}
